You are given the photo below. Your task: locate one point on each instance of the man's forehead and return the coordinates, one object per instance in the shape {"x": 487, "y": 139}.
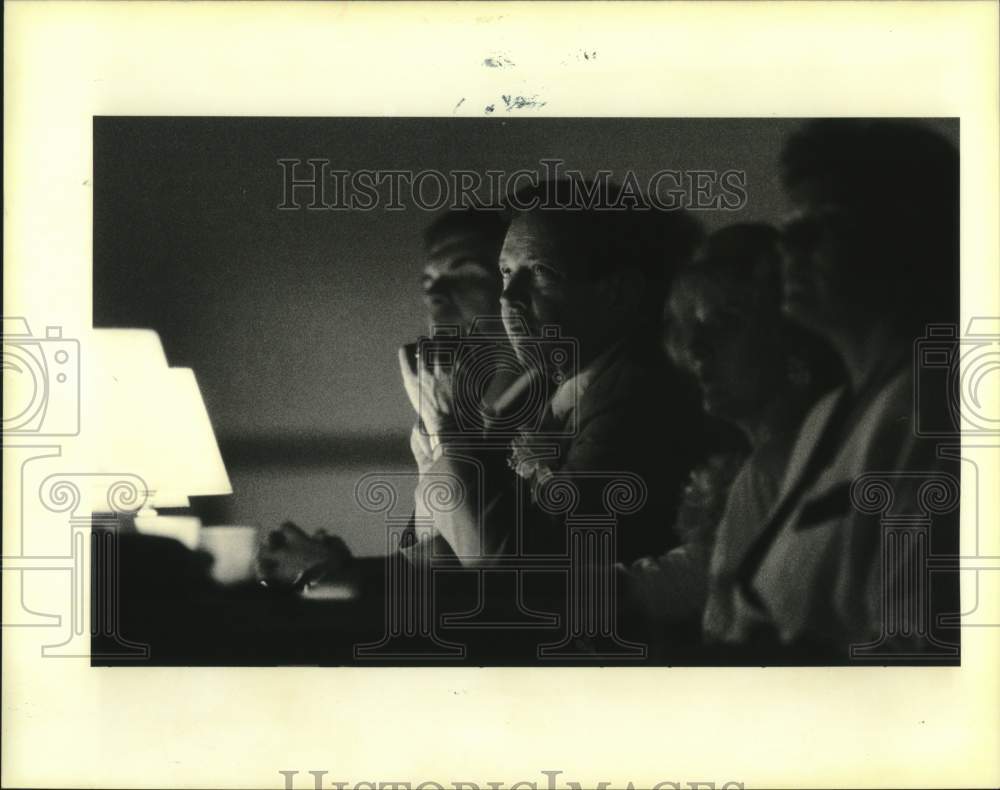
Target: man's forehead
{"x": 535, "y": 232}
{"x": 544, "y": 223}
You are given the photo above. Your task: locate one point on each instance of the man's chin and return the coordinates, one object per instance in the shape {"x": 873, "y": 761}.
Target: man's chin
{"x": 521, "y": 345}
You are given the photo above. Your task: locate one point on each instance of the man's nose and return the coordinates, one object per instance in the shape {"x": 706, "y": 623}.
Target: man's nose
{"x": 515, "y": 293}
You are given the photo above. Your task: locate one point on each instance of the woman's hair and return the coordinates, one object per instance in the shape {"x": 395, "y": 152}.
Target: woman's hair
{"x": 898, "y": 184}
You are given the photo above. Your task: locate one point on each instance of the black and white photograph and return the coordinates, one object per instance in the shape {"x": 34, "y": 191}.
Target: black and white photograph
{"x": 533, "y": 391}
{"x": 501, "y": 395}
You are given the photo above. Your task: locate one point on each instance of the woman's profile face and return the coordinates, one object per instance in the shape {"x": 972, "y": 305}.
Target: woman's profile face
{"x": 726, "y": 338}
{"x": 818, "y": 250}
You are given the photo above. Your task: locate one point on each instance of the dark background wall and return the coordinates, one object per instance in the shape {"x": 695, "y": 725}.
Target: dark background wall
{"x": 291, "y": 319}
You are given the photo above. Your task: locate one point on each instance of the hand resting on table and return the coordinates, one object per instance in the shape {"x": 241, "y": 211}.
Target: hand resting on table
{"x": 289, "y": 558}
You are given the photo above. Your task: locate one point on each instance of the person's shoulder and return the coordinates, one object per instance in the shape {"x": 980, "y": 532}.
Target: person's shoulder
{"x": 637, "y": 379}
{"x": 892, "y": 425}
{"x": 815, "y": 420}
{"x": 631, "y": 415}
{"x": 822, "y": 409}
{"x": 807, "y": 436}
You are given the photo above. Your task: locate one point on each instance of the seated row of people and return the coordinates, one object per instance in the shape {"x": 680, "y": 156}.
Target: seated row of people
{"x": 786, "y": 381}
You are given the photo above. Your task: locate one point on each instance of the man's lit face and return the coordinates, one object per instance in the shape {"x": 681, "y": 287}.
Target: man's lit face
{"x": 460, "y": 281}
{"x": 546, "y": 284}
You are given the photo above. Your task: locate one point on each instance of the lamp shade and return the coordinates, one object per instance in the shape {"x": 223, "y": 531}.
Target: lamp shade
{"x": 121, "y": 351}
{"x": 151, "y": 420}
{"x": 192, "y": 464}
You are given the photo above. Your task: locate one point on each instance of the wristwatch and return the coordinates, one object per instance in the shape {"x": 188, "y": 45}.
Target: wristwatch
{"x": 314, "y": 574}
{"x": 318, "y": 572}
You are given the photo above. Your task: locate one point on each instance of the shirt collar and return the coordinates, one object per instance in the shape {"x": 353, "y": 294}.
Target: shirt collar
{"x": 568, "y": 393}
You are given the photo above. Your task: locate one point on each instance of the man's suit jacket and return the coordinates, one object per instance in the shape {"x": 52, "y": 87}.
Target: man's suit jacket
{"x": 628, "y": 413}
